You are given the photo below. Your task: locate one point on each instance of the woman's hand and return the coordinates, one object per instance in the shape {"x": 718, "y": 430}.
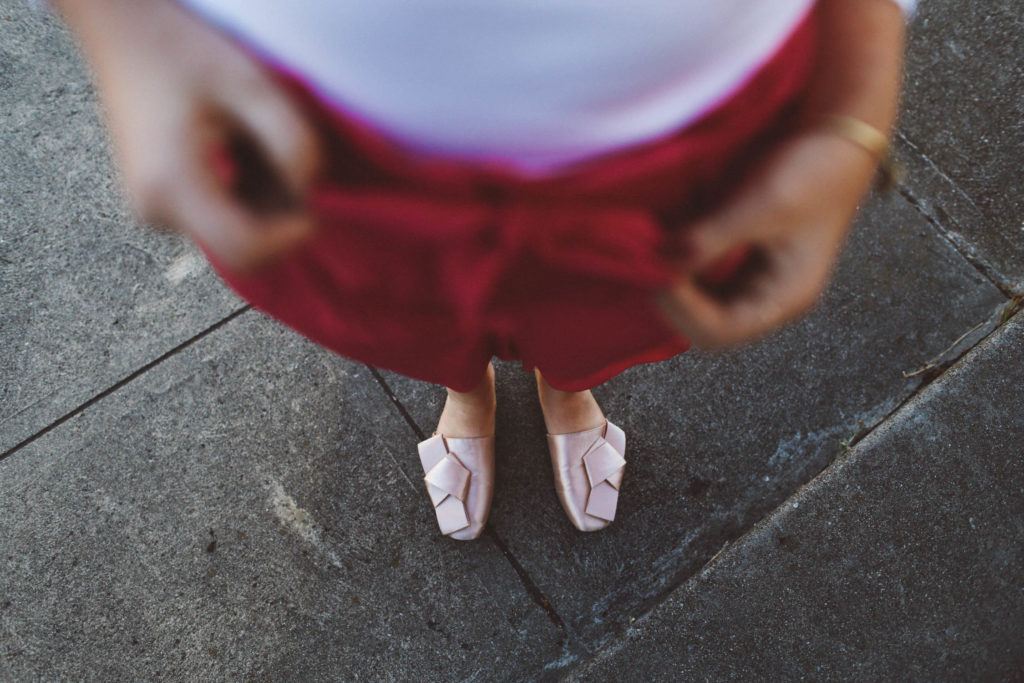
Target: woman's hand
{"x": 795, "y": 211}
{"x": 174, "y": 90}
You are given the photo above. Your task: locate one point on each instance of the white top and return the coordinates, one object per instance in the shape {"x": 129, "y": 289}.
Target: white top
{"x": 534, "y": 83}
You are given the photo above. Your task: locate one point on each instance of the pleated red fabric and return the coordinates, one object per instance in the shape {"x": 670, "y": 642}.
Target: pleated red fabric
{"x": 430, "y": 266}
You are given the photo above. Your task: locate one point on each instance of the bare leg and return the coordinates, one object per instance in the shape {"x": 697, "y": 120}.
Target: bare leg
{"x": 471, "y": 413}
{"x": 567, "y": 411}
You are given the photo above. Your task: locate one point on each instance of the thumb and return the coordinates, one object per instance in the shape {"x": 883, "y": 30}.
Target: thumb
{"x": 277, "y": 148}
{"x": 240, "y": 239}
{"x": 749, "y": 219}
{"x": 767, "y": 204}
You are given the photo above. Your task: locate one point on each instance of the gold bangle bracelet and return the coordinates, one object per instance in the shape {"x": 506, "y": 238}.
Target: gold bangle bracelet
{"x": 862, "y": 134}
{"x": 875, "y": 142}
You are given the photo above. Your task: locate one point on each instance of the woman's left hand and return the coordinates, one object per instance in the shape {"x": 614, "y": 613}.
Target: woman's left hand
{"x": 795, "y": 212}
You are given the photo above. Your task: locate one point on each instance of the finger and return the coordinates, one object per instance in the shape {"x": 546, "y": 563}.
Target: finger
{"x": 761, "y": 311}
{"x": 278, "y": 127}
{"x": 753, "y": 217}
{"x": 810, "y": 175}
{"x": 693, "y": 313}
{"x": 711, "y": 325}
{"x": 239, "y": 241}
{"x": 782, "y": 293}
{"x": 785, "y": 290}
{"x": 193, "y": 201}
{"x": 801, "y": 269}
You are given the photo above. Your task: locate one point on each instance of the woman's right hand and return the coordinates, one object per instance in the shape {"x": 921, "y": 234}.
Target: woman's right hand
{"x": 174, "y": 90}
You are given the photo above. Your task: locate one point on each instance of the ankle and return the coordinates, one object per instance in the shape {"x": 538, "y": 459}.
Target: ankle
{"x": 567, "y": 411}
{"x": 551, "y": 395}
{"x": 471, "y": 404}
{"x": 469, "y": 414}
{"x": 483, "y": 395}
{"x": 566, "y": 402}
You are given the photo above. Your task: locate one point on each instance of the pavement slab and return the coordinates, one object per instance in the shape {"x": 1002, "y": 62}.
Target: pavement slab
{"x": 251, "y": 506}
{"x": 238, "y": 512}
{"x": 961, "y": 131}
{"x": 86, "y": 295}
{"x": 715, "y": 442}
{"x": 903, "y": 561}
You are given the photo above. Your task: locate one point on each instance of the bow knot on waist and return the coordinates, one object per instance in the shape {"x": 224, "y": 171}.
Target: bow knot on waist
{"x": 617, "y": 242}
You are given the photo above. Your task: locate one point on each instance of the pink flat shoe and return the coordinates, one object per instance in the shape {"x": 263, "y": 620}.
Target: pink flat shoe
{"x": 588, "y": 467}
{"x": 459, "y": 474}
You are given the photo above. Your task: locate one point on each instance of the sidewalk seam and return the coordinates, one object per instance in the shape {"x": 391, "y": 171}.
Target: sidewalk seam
{"x": 567, "y": 640}
{"x": 121, "y": 383}
{"x": 1010, "y": 310}
{"x": 960, "y": 244}
{"x": 398, "y": 404}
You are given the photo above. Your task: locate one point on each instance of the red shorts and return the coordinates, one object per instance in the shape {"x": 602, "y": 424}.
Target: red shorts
{"x": 429, "y": 266}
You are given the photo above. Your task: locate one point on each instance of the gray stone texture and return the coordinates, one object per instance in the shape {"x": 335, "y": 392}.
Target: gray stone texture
{"x": 251, "y": 507}
{"x": 715, "y": 442}
{"x": 962, "y": 132}
{"x": 239, "y": 513}
{"x": 904, "y": 561}
{"x": 86, "y": 296}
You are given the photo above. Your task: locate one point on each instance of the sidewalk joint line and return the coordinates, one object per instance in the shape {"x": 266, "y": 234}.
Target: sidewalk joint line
{"x": 529, "y": 585}
{"x": 398, "y": 404}
{"x": 931, "y": 375}
{"x": 961, "y": 245}
{"x": 532, "y": 589}
{"x": 1012, "y": 309}
{"x": 120, "y": 383}
{"x": 985, "y": 269}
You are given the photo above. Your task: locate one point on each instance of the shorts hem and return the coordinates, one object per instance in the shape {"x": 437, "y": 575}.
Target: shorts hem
{"x": 596, "y": 379}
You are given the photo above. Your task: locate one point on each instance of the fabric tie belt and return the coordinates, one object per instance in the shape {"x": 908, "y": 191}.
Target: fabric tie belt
{"x": 499, "y": 237}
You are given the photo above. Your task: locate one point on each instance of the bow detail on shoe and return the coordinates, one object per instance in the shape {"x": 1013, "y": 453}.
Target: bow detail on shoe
{"x": 605, "y": 467}
{"x": 447, "y": 482}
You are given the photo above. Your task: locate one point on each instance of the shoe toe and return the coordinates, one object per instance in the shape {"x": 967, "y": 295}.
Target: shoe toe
{"x": 459, "y": 474}
{"x": 589, "y": 506}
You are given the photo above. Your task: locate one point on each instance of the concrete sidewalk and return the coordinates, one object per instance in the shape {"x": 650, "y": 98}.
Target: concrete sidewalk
{"x": 189, "y": 491}
{"x": 902, "y": 561}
